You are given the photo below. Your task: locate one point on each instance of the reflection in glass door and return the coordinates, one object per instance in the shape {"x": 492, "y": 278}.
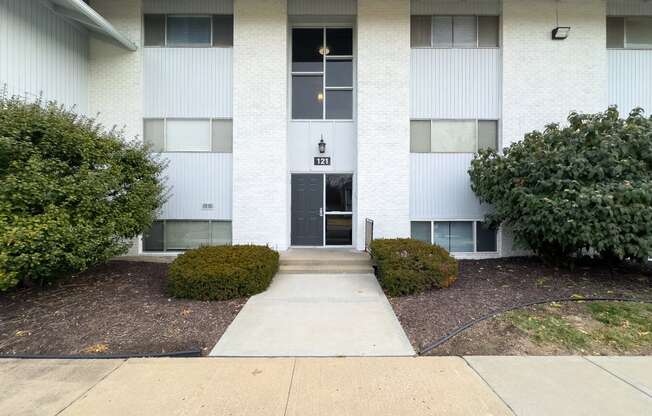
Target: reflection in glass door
{"x": 339, "y": 210}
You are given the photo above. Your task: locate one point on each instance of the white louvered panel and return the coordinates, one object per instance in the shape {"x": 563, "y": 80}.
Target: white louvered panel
{"x": 188, "y": 6}
{"x": 188, "y": 82}
{"x": 321, "y": 7}
{"x": 456, "y": 7}
{"x": 629, "y": 8}
{"x": 440, "y": 187}
{"x": 630, "y": 79}
{"x": 196, "y": 179}
{"x": 455, "y": 83}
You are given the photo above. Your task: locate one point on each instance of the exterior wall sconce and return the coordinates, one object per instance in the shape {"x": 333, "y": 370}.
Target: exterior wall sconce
{"x": 560, "y": 32}
{"x": 322, "y": 145}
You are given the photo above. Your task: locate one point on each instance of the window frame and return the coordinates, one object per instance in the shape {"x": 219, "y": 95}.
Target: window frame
{"x": 477, "y": 31}
{"x": 210, "y": 132}
{"x": 625, "y": 44}
{"x": 477, "y": 133}
{"x": 165, "y": 243}
{"x": 474, "y": 223}
{"x": 166, "y": 44}
{"x": 323, "y": 72}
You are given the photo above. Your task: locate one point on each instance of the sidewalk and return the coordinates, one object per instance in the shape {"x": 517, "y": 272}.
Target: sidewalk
{"x": 329, "y": 386}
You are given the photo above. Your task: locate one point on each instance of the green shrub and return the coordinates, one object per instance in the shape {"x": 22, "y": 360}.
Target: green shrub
{"x": 581, "y": 187}
{"x": 222, "y": 272}
{"x": 71, "y": 194}
{"x": 407, "y": 266}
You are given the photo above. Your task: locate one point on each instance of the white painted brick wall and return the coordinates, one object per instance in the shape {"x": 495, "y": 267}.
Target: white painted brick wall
{"x": 544, "y": 80}
{"x": 260, "y": 176}
{"x": 383, "y": 117}
{"x": 116, "y": 74}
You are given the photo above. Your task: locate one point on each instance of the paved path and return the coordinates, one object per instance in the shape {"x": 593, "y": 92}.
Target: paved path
{"x": 316, "y": 315}
{"x": 329, "y": 386}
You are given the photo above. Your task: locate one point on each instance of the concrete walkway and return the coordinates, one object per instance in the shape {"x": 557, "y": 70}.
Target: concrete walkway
{"x": 329, "y": 386}
{"x": 316, "y": 315}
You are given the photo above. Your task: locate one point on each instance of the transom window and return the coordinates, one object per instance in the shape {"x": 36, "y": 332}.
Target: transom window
{"x": 629, "y": 32}
{"x": 188, "y": 30}
{"x": 453, "y": 136}
{"x": 188, "y": 135}
{"x": 322, "y": 73}
{"x": 454, "y": 31}
{"x": 457, "y": 236}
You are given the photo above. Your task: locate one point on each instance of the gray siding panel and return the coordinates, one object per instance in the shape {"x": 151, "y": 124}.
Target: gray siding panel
{"x": 188, "y": 6}
{"x": 630, "y": 79}
{"x": 455, "y": 83}
{"x": 195, "y": 179}
{"x": 456, "y": 7}
{"x": 440, "y": 188}
{"x": 188, "y": 82}
{"x": 321, "y": 7}
{"x": 629, "y": 8}
{"x": 42, "y": 53}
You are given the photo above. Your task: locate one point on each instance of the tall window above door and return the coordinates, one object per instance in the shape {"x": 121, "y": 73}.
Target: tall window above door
{"x": 322, "y": 73}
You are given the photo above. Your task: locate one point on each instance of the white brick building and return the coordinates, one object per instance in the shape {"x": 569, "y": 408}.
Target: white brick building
{"x": 293, "y": 122}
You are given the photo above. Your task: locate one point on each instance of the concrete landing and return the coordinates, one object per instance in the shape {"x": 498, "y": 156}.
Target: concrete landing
{"x": 316, "y": 315}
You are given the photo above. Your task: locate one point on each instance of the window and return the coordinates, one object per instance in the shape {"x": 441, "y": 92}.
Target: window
{"x": 339, "y": 209}
{"x": 188, "y": 30}
{"x": 189, "y": 135}
{"x": 629, "y": 32}
{"x": 457, "y": 236}
{"x": 453, "y": 136}
{"x": 180, "y": 235}
{"x": 455, "y": 31}
{"x": 322, "y": 73}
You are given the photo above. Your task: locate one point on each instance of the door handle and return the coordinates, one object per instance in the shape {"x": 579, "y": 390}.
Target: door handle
{"x": 321, "y": 212}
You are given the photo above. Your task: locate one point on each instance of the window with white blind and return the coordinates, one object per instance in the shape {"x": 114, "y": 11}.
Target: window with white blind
{"x": 633, "y": 32}
{"x": 188, "y": 135}
{"x": 455, "y": 31}
{"x": 453, "y": 136}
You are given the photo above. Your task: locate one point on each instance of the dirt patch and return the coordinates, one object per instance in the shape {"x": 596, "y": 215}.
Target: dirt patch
{"x": 117, "y": 308}
{"x": 487, "y": 286}
{"x": 558, "y": 329}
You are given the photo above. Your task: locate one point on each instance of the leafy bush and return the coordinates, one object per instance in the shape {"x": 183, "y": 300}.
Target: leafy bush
{"x": 222, "y": 272}
{"x": 70, "y": 193}
{"x": 585, "y": 186}
{"x": 407, "y": 266}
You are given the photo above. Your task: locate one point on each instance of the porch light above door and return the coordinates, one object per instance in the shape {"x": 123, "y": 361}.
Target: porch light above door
{"x": 322, "y": 145}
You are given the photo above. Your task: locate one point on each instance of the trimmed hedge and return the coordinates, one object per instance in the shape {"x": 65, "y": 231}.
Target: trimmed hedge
{"x": 222, "y": 272}
{"x": 406, "y": 266}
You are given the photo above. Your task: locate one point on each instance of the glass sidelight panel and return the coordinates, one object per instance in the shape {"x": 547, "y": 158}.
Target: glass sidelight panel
{"x": 339, "y": 193}
{"x": 339, "y": 230}
{"x": 307, "y": 97}
{"x": 306, "y": 44}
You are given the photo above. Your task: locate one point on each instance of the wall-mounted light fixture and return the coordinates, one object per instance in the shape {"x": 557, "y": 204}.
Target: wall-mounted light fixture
{"x": 322, "y": 145}
{"x": 560, "y": 32}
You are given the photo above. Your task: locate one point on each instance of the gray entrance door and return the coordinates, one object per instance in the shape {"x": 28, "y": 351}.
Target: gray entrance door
{"x": 307, "y": 210}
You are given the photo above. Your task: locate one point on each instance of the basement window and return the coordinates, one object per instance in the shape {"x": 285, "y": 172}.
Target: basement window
{"x": 188, "y": 135}
{"x": 188, "y": 30}
{"x": 181, "y": 235}
{"x": 454, "y": 31}
{"x": 453, "y": 136}
{"x": 629, "y": 32}
{"x": 457, "y": 236}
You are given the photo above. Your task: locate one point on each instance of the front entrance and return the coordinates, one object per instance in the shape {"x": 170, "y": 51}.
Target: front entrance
{"x": 322, "y": 210}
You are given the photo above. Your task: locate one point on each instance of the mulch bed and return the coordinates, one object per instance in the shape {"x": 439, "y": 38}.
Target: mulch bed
{"x": 117, "y": 308}
{"x": 486, "y": 286}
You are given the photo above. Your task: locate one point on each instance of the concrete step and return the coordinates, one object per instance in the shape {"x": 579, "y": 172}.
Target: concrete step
{"x": 325, "y": 262}
{"x": 332, "y": 268}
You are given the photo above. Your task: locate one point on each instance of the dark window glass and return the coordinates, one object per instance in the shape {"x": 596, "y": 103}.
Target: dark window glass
{"x": 154, "y": 30}
{"x": 615, "y": 32}
{"x": 420, "y": 31}
{"x": 188, "y": 30}
{"x": 339, "y": 105}
{"x": 420, "y": 230}
{"x": 339, "y": 41}
{"x": 153, "y": 239}
{"x": 223, "y": 30}
{"x": 339, "y": 193}
{"x": 485, "y": 238}
{"x": 306, "y": 44}
{"x": 307, "y": 97}
{"x": 339, "y": 73}
{"x": 339, "y": 230}
{"x": 488, "y": 29}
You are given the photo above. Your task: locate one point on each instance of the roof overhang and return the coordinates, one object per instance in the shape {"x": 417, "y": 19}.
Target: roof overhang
{"x": 82, "y": 13}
